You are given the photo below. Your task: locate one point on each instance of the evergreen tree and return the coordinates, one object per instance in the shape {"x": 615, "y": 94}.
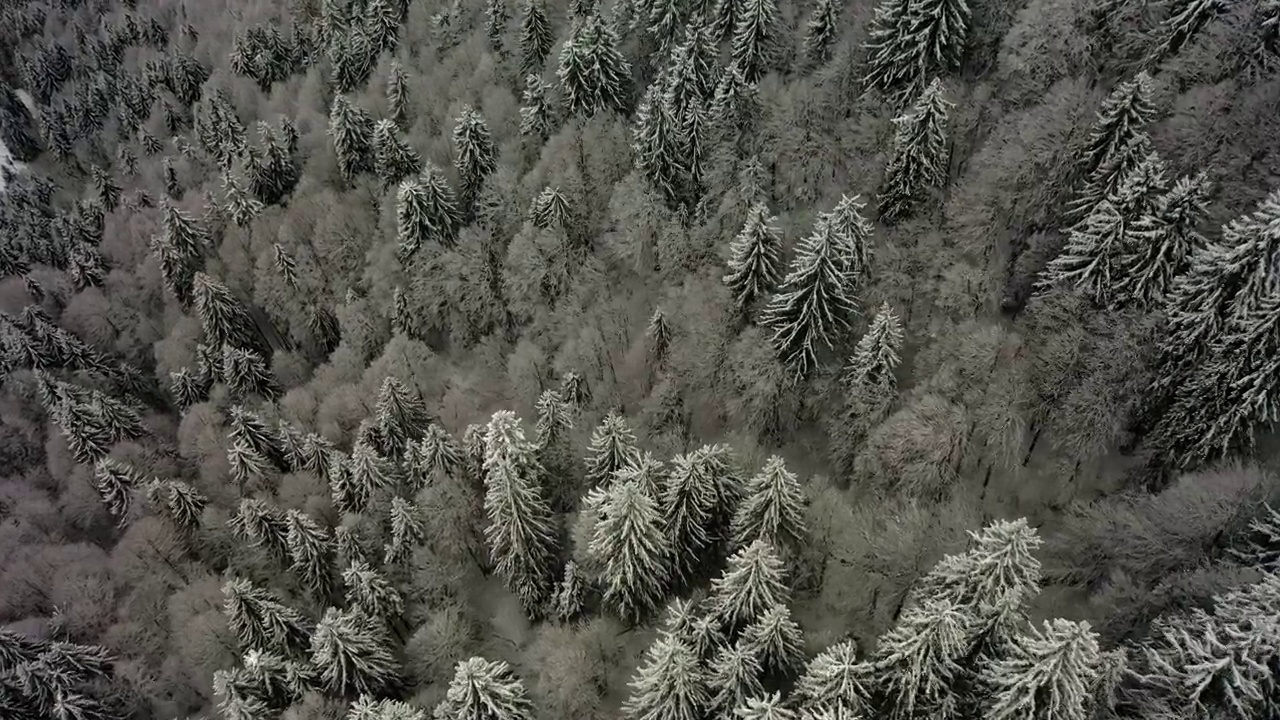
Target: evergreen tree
{"x": 670, "y": 683}
{"x": 285, "y": 265}
{"x": 224, "y": 319}
{"x": 998, "y": 563}
{"x": 657, "y": 141}
{"x": 426, "y": 210}
{"x": 1047, "y": 674}
{"x": 550, "y": 209}
{"x": 821, "y": 32}
{"x": 246, "y": 373}
{"x": 688, "y": 503}
{"x": 772, "y": 509}
{"x": 260, "y": 621}
{"x": 352, "y": 653}
{"x": 310, "y": 552}
{"x": 394, "y": 160}
{"x": 485, "y": 689}
{"x": 769, "y": 707}
{"x": 402, "y": 416}
{"x": 1183, "y": 21}
{"x": 658, "y": 335}
{"x": 398, "y": 95}
{"x": 536, "y": 37}
{"x": 107, "y": 188}
{"x": 370, "y": 593}
{"x": 629, "y": 545}
{"x": 817, "y": 296}
{"x": 913, "y": 40}
{"x": 751, "y": 584}
{"x": 1125, "y": 111}
{"x": 756, "y": 42}
{"x": 916, "y": 663}
{"x": 536, "y": 115}
{"x": 1160, "y": 243}
{"x": 407, "y": 531}
{"x": 520, "y": 533}
{"x": 247, "y": 427}
{"x": 645, "y": 470}
{"x": 613, "y": 447}
{"x": 435, "y": 453}
{"x": 241, "y": 206}
{"x": 179, "y": 247}
{"x": 178, "y": 501}
{"x": 593, "y": 73}
{"x": 755, "y": 262}
{"x": 775, "y": 640}
{"x": 919, "y": 154}
{"x": 382, "y": 23}
{"x": 369, "y": 473}
{"x": 115, "y": 483}
{"x": 569, "y": 599}
{"x": 733, "y": 677}
{"x": 877, "y": 353}
{"x": 263, "y": 525}
{"x": 475, "y": 154}
{"x": 352, "y": 131}
{"x": 246, "y": 465}
{"x": 495, "y": 23}
{"x": 835, "y": 678}
{"x": 725, "y": 17}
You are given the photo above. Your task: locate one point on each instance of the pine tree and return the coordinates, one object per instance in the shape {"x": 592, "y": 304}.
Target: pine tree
{"x": 629, "y": 545}
{"x": 435, "y": 453}
{"x": 877, "y": 353}
{"x": 751, "y": 584}
{"x": 224, "y": 319}
{"x": 756, "y": 38}
{"x": 259, "y": 620}
{"x": 835, "y": 678}
{"x": 352, "y": 131}
{"x": 263, "y": 525}
{"x": 755, "y": 262}
{"x": 657, "y": 141}
{"x": 310, "y": 552}
{"x": 670, "y": 683}
{"x": 912, "y": 41}
{"x": 107, "y": 188}
{"x": 919, "y": 154}
{"x": 485, "y": 689}
{"x": 775, "y": 640}
{"x": 495, "y": 23}
{"x": 821, "y": 32}
{"x": 426, "y": 210}
{"x": 179, "y": 247}
{"x": 569, "y": 599}
{"x": 536, "y": 114}
{"x": 733, "y": 676}
{"x": 768, "y": 707}
{"x": 817, "y": 296}
{"x": 394, "y": 160}
{"x": 916, "y": 663}
{"x": 352, "y": 653}
{"x": 536, "y": 37}
{"x": 550, "y": 209}
{"x": 398, "y": 95}
{"x": 998, "y": 563}
{"x": 371, "y": 593}
{"x": 1047, "y": 674}
{"x": 613, "y": 447}
{"x": 475, "y": 155}
{"x": 115, "y": 483}
{"x": 1125, "y": 111}
{"x": 521, "y": 535}
{"x": 593, "y": 73}
{"x": 180, "y": 502}
{"x": 772, "y": 509}
{"x": 407, "y": 531}
{"x": 1161, "y": 242}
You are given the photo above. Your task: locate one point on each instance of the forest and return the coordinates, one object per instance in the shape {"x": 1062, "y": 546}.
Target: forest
{"x": 639, "y": 359}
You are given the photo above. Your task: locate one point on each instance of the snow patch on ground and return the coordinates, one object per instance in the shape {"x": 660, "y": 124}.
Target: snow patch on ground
{"x": 8, "y": 166}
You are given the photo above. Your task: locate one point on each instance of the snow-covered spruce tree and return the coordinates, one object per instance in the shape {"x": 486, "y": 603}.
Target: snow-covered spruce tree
{"x": 876, "y": 355}
{"x": 765, "y": 707}
{"x": 772, "y": 509}
{"x": 757, "y": 38}
{"x": 401, "y": 415}
{"x": 394, "y": 160}
{"x": 1124, "y": 113}
{"x": 916, "y": 662}
{"x": 593, "y": 74}
{"x": 1183, "y": 21}
{"x": 536, "y": 114}
{"x": 657, "y": 335}
{"x": 262, "y": 525}
{"x": 407, "y": 531}
{"x": 670, "y": 683}
{"x": 285, "y": 265}
{"x": 656, "y": 140}
{"x": 310, "y": 552}
{"x": 775, "y": 640}
{"x": 435, "y": 453}
{"x": 550, "y": 209}
{"x": 645, "y": 470}
{"x": 755, "y": 258}
{"x": 911, "y": 41}
{"x": 475, "y": 155}
{"x": 688, "y": 504}
{"x": 259, "y": 620}
{"x": 521, "y": 532}
{"x": 347, "y": 548}
{"x": 352, "y": 131}
{"x": 1161, "y": 242}
{"x": 485, "y": 689}
{"x": 999, "y": 562}
{"x": 248, "y": 427}
{"x": 382, "y": 24}
{"x": 753, "y": 582}
{"x": 179, "y": 502}
{"x": 247, "y": 465}
{"x": 426, "y": 210}
{"x": 370, "y": 472}
{"x": 179, "y": 247}
{"x": 115, "y": 483}
{"x": 107, "y": 188}
{"x": 495, "y": 23}
{"x": 371, "y": 593}
{"x": 817, "y": 297}
{"x": 835, "y": 677}
{"x": 629, "y": 546}
{"x": 1045, "y": 674}
{"x": 398, "y": 95}
{"x": 223, "y": 317}
{"x": 536, "y": 37}
{"x": 367, "y": 708}
{"x": 270, "y": 166}
{"x": 919, "y": 160}
{"x": 240, "y": 205}
{"x": 570, "y": 596}
{"x": 733, "y": 677}
{"x": 246, "y": 373}
{"x": 613, "y": 447}
{"x": 664, "y": 22}
{"x": 352, "y": 653}
{"x": 724, "y": 18}
{"x": 822, "y": 31}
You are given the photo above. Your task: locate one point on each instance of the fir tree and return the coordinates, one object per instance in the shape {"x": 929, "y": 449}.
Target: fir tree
{"x": 246, "y": 373}
{"x": 658, "y": 335}
{"x": 426, "y": 210}
{"x": 688, "y": 503}
{"x": 536, "y": 37}
{"x": 536, "y": 115}
{"x": 352, "y": 131}
{"x": 485, "y": 689}
{"x": 1160, "y": 243}
{"x": 769, "y": 707}
{"x": 259, "y": 620}
{"x": 351, "y": 652}
{"x": 835, "y": 678}
{"x": 755, "y": 262}
{"x": 371, "y": 593}
{"x": 775, "y": 640}
{"x": 912, "y": 41}
{"x": 1046, "y": 674}
{"x": 916, "y": 663}
{"x": 629, "y": 545}
{"x": 1125, "y": 111}
{"x": 263, "y": 525}
{"x": 657, "y": 141}
{"x": 180, "y": 502}
{"x": 394, "y": 160}
{"x": 645, "y": 470}
{"x": 574, "y": 389}
{"x": 247, "y": 427}
{"x": 756, "y": 41}
{"x": 115, "y": 483}
{"x": 670, "y": 683}
{"x": 550, "y": 209}
{"x": 876, "y": 355}
{"x": 179, "y": 247}
{"x": 310, "y": 551}
{"x": 398, "y": 95}
{"x": 751, "y": 584}
{"x": 370, "y": 473}
{"x": 436, "y": 453}
{"x": 821, "y": 32}
{"x": 407, "y": 531}
{"x": 382, "y": 23}
{"x": 107, "y": 189}
{"x": 772, "y": 509}
{"x": 1184, "y": 20}
{"x": 246, "y": 465}
{"x": 569, "y": 599}
{"x": 475, "y": 155}
{"x": 241, "y": 206}
{"x": 593, "y": 73}
{"x": 520, "y": 533}
{"x": 733, "y": 676}
{"x": 725, "y": 17}
{"x": 495, "y": 23}
{"x": 919, "y": 154}
{"x": 224, "y": 319}
{"x": 613, "y": 447}
{"x": 402, "y": 416}
{"x": 998, "y": 563}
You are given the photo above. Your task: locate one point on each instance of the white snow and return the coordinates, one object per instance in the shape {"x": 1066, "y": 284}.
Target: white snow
{"x": 7, "y": 165}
